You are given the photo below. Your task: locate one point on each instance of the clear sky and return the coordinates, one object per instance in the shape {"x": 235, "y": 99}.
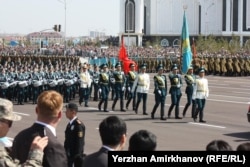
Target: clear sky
{"x": 82, "y": 16}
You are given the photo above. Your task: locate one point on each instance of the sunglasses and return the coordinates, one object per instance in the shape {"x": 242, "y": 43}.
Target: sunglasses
{"x": 8, "y": 122}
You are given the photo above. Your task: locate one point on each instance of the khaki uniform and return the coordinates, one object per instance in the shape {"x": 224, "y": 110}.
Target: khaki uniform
{"x": 35, "y": 159}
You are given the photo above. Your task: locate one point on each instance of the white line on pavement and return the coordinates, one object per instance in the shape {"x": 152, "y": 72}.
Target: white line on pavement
{"x": 19, "y": 113}
{"x": 203, "y": 124}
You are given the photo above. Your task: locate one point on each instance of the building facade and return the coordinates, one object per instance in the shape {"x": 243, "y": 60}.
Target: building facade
{"x": 47, "y": 38}
{"x": 164, "y": 18}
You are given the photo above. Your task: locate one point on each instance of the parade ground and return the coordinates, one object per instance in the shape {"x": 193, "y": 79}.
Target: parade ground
{"x": 225, "y": 112}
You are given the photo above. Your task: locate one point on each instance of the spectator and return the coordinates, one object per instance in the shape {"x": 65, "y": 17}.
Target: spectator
{"x": 218, "y": 145}
{"x": 113, "y": 135}
{"x": 36, "y": 150}
{"x": 142, "y": 140}
{"x": 49, "y": 112}
{"x": 243, "y": 147}
{"x": 74, "y": 136}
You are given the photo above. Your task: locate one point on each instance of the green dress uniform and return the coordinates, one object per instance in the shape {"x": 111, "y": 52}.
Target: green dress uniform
{"x": 160, "y": 91}
{"x": 131, "y": 76}
{"x": 95, "y": 76}
{"x": 104, "y": 83}
{"x": 190, "y": 79}
{"x": 175, "y": 91}
{"x": 120, "y": 83}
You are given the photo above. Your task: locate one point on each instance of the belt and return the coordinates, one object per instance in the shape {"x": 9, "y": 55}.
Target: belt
{"x": 161, "y": 86}
{"x": 200, "y": 90}
{"x": 104, "y": 83}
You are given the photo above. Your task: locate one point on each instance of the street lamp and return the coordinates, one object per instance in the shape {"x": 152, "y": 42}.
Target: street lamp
{"x": 207, "y": 17}
{"x": 64, "y": 2}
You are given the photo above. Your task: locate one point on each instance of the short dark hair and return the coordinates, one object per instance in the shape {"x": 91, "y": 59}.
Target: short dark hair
{"x": 243, "y": 147}
{"x": 142, "y": 140}
{"x": 218, "y": 145}
{"x": 111, "y": 130}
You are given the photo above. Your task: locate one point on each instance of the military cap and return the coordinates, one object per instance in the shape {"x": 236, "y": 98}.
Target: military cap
{"x": 159, "y": 67}
{"x": 72, "y": 106}
{"x": 143, "y": 65}
{"x": 131, "y": 65}
{"x": 6, "y": 111}
{"x": 190, "y": 67}
{"x": 174, "y": 67}
{"x": 118, "y": 65}
{"x": 104, "y": 65}
{"x": 202, "y": 69}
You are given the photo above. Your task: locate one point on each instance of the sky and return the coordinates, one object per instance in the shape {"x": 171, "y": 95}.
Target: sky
{"x": 82, "y": 16}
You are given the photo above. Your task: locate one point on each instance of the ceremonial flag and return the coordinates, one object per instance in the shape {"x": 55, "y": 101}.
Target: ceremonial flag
{"x": 185, "y": 46}
{"x": 123, "y": 53}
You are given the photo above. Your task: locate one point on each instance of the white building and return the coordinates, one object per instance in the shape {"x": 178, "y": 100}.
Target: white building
{"x": 164, "y": 18}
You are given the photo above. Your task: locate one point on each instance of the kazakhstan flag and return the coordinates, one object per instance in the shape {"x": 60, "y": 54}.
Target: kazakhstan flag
{"x": 185, "y": 45}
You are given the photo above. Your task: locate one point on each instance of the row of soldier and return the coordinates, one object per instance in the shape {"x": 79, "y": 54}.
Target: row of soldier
{"x": 134, "y": 87}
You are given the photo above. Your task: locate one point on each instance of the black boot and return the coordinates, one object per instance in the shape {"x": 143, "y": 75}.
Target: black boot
{"x": 114, "y": 103}
{"x": 185, "y": 110}
{"x": 122, "y": 105}
{"x": 105, "y": 106}
{"x": 170, "y": 110}
{"x": 100, "y": 105}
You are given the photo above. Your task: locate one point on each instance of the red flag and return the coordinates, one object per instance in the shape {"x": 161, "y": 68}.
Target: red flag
{"x": 123, "y": 53}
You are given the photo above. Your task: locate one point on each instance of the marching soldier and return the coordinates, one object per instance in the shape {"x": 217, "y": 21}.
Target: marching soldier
{"x": 120, "y": 83}
{"x": 200, "y": 94}
{"x": 11, "y": 90}
{"x": 67, "y": 84}
{"x": 190, "y": 79}
{"x": 131, "y": 76}
{"x": 142, "y": 82}
{"x": 35, "y": 89}
{"x": 160, "y": 91}
{"x": 95, "y": 82}
{"x": 21, "y": 87}
{"x": 51, "y": 78}
{"x": 84, "y": 85}
{"x": 112, "y": 81}
{"x": 74, "y": 137}
{"x": 104, "y": 83}
{"x": 3, "y": 83}
{"x": 175, "y": 91}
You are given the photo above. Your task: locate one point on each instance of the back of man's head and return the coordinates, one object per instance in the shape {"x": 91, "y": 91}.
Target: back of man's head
{"x": 142, "y": 140}
{"x": 112, "y": 129}
{"x": 49, "y": 104}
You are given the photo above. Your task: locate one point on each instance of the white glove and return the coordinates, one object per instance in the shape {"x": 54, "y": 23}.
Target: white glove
{"x": 159, "y": 92}
{"x": 129, "y": 89}
{"x": 100, "y": 90}
{"x": 123, "y": 88}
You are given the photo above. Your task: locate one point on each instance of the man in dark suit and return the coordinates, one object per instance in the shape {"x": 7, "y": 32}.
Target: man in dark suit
{"x": 49, "y": 112}
{"x": 74, "y": 137}
{"x": 113, "y": 135}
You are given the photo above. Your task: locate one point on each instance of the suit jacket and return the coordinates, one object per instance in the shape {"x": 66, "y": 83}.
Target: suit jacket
{"x": 97, "y": 159}
{"x": 54, "y": 153}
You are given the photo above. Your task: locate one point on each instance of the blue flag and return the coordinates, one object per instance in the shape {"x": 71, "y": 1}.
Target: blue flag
{"x": 185, "y": 46}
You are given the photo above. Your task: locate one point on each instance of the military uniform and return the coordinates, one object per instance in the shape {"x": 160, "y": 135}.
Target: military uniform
{"x": 3, "y": 84}
{"x": 84, "y": 86}
{"x": 160, "y": 91}
{"x": 190, "y": 79}
{"x": 74, "y": 141}
{"x": 200, "y": 94}
{"x": 142, "y": 82}
{"x": 21, "y": 89}
{"x": 35, "y": 159}
{"x": 120, "y": 83}
{"x": 95, "y": 76}
{"x": 112, "y": 82}
{"x": 131, "y": 76}
{"x": 175, "y": 91}
{"x": 104, "y": 83}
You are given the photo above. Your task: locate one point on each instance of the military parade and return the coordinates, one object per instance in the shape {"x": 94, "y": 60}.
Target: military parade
{"x": 158, "y": 81}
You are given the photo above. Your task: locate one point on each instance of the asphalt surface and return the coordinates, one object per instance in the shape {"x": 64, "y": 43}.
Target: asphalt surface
{"x": 225, "y": 113}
